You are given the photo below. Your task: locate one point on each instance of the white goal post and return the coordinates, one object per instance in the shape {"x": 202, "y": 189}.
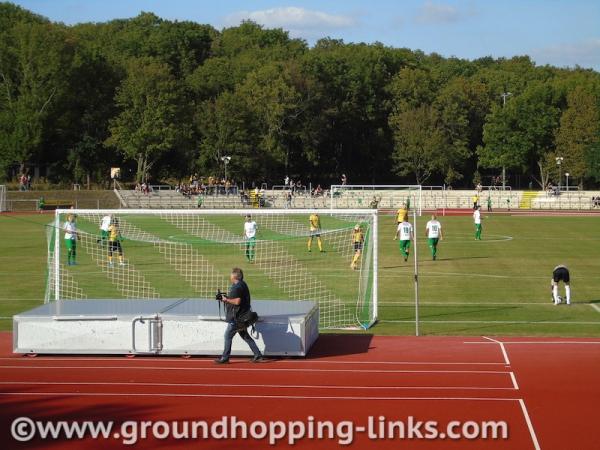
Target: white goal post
{"x": 3, "y": 205}
{"x": 189, "y": 254}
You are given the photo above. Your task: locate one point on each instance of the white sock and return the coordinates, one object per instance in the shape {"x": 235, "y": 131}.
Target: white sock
{"x": 568, "y": 294}
{"x": 555, "y": 294}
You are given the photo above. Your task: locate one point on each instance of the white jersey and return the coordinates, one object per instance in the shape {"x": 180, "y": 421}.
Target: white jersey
{"x": 477, "y": 217}
{"x": 434, "y": 228}
{"x": 70, "y": 230}
{"x": 250, "y": 229}
{"x": 405, "y": 229}
{"x": 105, "y": 223}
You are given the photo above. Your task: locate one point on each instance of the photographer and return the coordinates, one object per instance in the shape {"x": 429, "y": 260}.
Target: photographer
{"x": 237, "y": 304}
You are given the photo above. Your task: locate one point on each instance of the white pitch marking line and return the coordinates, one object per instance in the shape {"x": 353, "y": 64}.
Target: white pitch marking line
{"x": 288, "y": 397}
{"x": 275, "y": 386}
{"x": 234, "y": 369}
{"x": 514, "y": 381}
{"x": 596, "y": 307}
{"x": 506, "y": 360}
{"x": 511, "y": 322}
{"x": 536, "y": 444}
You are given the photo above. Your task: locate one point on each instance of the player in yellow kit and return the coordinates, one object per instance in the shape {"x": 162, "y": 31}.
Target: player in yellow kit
{"x": 315, "y": 231}
{"x": 402, "y": 214}
{"x": 358, "y": 238}
{"x": 114, "y": 242}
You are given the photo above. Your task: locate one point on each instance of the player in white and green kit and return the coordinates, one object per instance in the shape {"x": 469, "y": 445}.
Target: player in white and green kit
{"x": 405, "y": 233}
{"x": 71, "y": 237}
{"x": 433, "y": 229}
{"x": 477, "y": 221}
{"x": 104, "y": 225}
{"x": 250, "y": 229}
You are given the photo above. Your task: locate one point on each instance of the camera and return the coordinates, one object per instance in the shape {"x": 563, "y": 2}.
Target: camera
{"x": 219, "y": 295}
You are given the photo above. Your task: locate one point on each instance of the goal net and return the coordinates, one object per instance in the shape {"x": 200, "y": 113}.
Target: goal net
{"x": 190, "y": 253}
{"x": 376, "y": 196}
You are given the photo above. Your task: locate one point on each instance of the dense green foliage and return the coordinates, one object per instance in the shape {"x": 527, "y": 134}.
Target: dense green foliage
{"x": 167, "y": 98}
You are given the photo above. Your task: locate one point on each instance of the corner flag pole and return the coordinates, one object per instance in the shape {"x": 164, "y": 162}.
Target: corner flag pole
{"x": 416, "y": 274}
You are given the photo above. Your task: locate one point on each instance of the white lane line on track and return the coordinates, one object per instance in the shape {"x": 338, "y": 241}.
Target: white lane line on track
{"x": 534, "y": 439}
{"x": 285, "y": 397}
{"x": 244, "y": 369}
{"x": 142, "y": 359}
{"x": 539, "y": 342}
{"x": 596, "y": 307}
{"x": 504, "y": 354}
{"x": 270, "y": 386}
{"x": 514, "y": 381}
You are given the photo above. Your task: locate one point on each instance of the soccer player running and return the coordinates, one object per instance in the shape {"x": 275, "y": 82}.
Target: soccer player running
{"x": 433, "y": 229}
{"x": 402, "y": 214}
{"x": 561, "y": 273}
{"x": 250, "y": 230}
{"x": 315, "y": 231}
{"x": 104, "y": 226}
{"x": 71, "y": 237}
{"x": 358, "y": 238}
{"x": 405, "y": 232}
{"x": 114, "y": 243}
{"x": 477, "y": 221}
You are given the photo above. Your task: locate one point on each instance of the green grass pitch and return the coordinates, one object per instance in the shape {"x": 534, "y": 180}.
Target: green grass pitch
{"x": 499, "y": 286}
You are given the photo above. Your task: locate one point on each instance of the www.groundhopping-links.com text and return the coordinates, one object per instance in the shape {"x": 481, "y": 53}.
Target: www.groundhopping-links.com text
{"x": 343, "y": 432}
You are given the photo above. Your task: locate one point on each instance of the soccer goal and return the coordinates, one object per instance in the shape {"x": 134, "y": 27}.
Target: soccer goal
{"x": 3, "y": 206}
{"x": 376, "y": 196}
{"x": 190, "y": 253}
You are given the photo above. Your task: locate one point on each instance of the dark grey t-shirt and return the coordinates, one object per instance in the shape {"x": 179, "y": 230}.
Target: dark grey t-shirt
{"x": 239, "y": 289}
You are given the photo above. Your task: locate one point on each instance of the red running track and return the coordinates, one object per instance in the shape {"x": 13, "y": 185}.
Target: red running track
{"x": 546, "y": 391}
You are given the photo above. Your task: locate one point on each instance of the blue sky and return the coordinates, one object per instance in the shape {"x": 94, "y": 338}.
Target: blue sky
{"x": 562, "y": 33}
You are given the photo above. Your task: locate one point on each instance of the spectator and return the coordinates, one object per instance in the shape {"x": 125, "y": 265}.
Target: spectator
{"x": 374, "y": 203}
{"x": 288, "y": 199}
{"x": 344, "y": 179}
{"x": 244, "y": 198}
{"x": 22, "y": 182}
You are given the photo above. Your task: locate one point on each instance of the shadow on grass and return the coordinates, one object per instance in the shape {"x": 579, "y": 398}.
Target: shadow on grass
{"x": 470, "y": 312}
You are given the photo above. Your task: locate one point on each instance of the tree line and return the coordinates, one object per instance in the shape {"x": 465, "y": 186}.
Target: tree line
{"x": 163, "y": 99}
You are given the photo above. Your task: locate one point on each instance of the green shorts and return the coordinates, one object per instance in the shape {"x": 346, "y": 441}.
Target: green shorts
{"x": 71, "y": 244}
{"x": 104, "y": 234}
{"x": 250, "y": 242}
{"x": 405, "y": 245}
{"x": 433, "y": 242}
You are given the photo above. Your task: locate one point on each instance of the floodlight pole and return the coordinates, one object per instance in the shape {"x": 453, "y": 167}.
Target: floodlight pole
{"x": 559, "y": 160}
{"x": 225, "y": 160}
{"x": 567, "y": 176}
{"x": 504, "y": 95}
